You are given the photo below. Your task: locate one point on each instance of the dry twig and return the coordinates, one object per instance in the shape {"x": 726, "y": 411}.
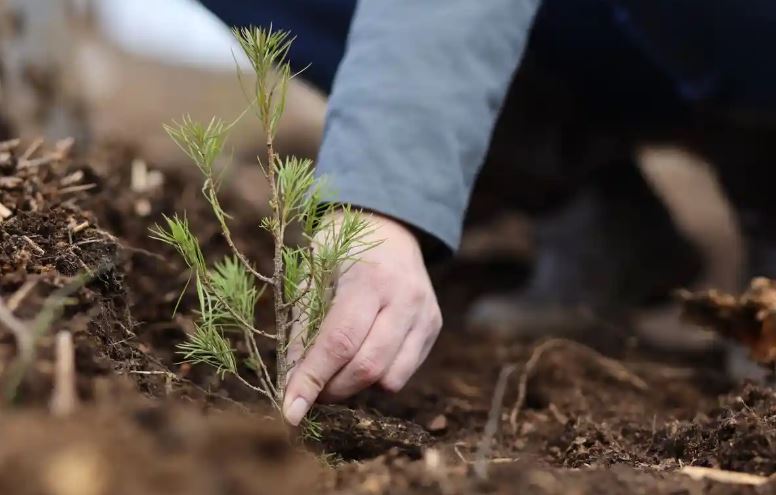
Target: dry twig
{"x": 723, "y": 476}
{"x": 494, "y": 420}
{"x": 34, "y": 245}
{"x": 80, "y": 227}
{"x": 37, "y": 162}
{"x": 10, "y": 144}
{"x": 31, "y": 149}
{"x": 72, "y": 189}
{"x": 73, "y": 178}
{"x": 64, "y": 399}
{"x": 492, "y": 460}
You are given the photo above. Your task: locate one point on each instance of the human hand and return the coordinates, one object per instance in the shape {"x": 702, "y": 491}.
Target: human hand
{"x": 383, "y": 321}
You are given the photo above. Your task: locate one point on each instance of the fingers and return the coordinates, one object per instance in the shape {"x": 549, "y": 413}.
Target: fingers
{"x": 341, "y": 335}
{"x": 414, "y": 350}
{"x": 376, "y": 354}
{"x": 295, "y": 344}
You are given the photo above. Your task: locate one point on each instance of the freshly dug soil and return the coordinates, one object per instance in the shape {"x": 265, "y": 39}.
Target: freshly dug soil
{"x": 149, "y": 425}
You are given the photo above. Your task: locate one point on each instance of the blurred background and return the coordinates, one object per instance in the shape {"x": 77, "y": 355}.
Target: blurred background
{"x": 113, "y": 69}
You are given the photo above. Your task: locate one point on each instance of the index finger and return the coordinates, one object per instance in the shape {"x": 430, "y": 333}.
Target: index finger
{"x": 342, "y": 332}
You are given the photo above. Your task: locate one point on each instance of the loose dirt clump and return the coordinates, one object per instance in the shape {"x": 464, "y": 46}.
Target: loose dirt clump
{"x": 739, "y": 435}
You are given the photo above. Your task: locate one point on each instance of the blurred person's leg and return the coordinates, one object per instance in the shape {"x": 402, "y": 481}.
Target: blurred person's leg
{"x": 742, "y": 150}
{"x": 605, "y": 242}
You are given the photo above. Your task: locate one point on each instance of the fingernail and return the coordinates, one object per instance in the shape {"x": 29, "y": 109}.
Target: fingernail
{"x": 296, "y": 411}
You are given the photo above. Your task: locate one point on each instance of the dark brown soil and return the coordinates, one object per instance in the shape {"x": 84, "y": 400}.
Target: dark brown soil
{"x": 148, "y": 425}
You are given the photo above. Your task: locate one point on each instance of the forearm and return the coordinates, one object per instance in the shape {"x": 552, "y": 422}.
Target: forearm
{"x": 414, "y": 104}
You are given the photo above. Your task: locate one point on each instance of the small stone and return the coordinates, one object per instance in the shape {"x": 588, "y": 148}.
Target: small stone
{"x": 438, "y": 424}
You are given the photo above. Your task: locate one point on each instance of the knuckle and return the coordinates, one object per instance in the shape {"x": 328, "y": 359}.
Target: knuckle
{"x": 312, "y": 383}
{"x": 384, "y": 278}
{"x": 340, "y": 344}
{"x": 416, "y": 292}
{"x": 366, "y": 371}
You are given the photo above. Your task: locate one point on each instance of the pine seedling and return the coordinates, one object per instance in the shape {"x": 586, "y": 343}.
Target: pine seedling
{"x": 302, "y": 278}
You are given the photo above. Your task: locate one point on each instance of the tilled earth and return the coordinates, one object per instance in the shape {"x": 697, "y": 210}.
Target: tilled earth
{"x": 626, "y": 423}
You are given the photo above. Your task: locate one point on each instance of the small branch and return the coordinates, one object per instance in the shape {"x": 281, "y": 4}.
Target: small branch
{"x": 65, "y": 398}
{"x": 262, "y": 391}
{"x": 253, "y": 351}
{"x": 246, "y": 263}
{"x": 237, "y": 316}
{"x": 213, "y": 197}
{"x": 494, "y": 420}
{"x": 293, "y": 302}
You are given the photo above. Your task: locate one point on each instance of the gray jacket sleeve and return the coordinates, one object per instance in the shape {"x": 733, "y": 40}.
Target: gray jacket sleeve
{"x": 414, "y": 104}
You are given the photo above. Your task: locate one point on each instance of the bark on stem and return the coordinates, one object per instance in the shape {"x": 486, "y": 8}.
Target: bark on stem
{"x": 281, "y": 322}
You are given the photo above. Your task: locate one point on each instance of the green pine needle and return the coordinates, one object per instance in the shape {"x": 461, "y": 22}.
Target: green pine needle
{"x": 208, "y": 345}
{"x": 202, "y": 143}
{"x": 235, "y": 287}
{"x": 179, "y": 235}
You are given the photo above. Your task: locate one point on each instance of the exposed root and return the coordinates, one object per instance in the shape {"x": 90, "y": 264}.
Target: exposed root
{"x": 613, "y": 368}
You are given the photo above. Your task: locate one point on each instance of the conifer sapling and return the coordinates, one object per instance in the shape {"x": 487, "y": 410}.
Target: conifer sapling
{"x": 303, "y": 277}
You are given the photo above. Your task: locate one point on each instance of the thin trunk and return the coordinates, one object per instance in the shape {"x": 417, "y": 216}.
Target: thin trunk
{"x": 281, "y": 319}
